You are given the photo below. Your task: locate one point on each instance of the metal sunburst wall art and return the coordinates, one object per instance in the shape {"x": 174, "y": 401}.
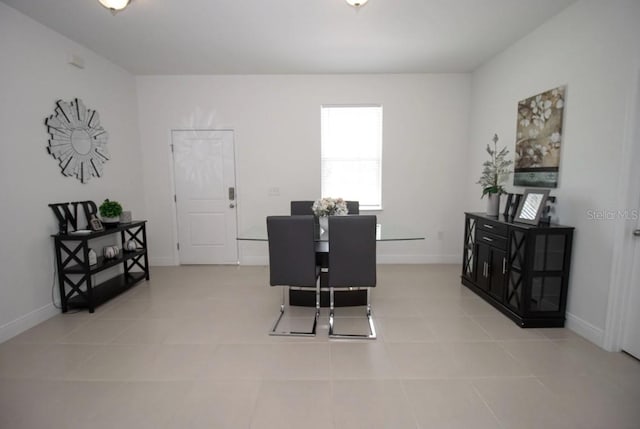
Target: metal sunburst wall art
{"x": 78, "y": 141}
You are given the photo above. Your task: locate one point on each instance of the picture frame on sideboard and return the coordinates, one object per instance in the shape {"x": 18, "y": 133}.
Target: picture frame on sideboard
{"x": 531, "y": 206}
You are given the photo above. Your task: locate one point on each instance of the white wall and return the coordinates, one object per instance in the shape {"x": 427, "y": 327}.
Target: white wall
{"x": 277, "y": 135}
{"x": 592, "y": 48}
{"x": 34, "y": 74}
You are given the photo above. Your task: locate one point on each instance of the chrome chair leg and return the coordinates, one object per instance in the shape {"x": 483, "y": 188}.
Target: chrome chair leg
{"x": 372, "y": 329}
{"x": 274, "y": 330}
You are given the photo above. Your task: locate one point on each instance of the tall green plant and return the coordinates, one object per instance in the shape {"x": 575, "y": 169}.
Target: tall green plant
{"x": 496, "y": 170}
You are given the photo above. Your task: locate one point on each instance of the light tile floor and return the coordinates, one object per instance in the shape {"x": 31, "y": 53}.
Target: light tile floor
{"x": 189, "y": 349}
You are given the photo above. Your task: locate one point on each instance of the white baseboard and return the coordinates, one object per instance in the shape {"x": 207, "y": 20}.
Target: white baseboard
{"x": 585, "y": 329}
{"x": 254, "y": 260}
{"x": 29, "y": 320}
{"x": 161, "y": 262}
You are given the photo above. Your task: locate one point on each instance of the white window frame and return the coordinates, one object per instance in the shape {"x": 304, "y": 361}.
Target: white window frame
{"x": 378, "y": 158}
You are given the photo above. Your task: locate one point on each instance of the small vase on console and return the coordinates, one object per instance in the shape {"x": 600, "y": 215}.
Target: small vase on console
{"x": 110, "y": 222}
{"x": 493, "y": 204}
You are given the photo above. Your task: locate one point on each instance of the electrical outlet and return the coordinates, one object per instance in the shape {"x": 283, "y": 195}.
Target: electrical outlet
{"x": 273, "y": 191}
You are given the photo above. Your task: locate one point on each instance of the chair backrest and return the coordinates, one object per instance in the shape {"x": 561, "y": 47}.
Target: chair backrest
{"x": 352, "y": 251}
{"x": 301, "y": 207}
{"x": 353, "y": 207}
{"x": 292, "y": 255}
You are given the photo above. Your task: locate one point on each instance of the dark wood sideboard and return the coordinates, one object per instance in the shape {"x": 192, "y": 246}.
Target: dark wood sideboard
{"x": 520, "y": 269}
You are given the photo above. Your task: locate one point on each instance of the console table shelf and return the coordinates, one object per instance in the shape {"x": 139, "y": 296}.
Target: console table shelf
{"x": 522, "y": 270}
{"x": 104, "y": 263}
{"x": 107, "y": 290}
{"x": 77, "y": 288}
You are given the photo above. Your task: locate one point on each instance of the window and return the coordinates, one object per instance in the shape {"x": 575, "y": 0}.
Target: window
{"x": 351, "y": 154}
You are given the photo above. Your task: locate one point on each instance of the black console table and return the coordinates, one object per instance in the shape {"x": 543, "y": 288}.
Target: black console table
{"x": 522, "y": 270}
{"x": 77, "y": 289}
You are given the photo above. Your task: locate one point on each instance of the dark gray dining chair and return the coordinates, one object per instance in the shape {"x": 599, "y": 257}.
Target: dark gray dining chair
{"x": 292, "y": 261}
{"x": 353, "y": 207}
{"x": 302, "y": 207}
{"x": 352, "y": 263}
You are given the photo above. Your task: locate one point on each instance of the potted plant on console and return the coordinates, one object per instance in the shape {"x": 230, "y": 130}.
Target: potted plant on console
{"x": 494, "y": 174}
{"x": 110, "y": 212}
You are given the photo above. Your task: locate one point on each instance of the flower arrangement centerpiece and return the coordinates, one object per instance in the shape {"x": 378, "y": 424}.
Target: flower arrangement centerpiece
{"x": 325, "y": 207}
{"x": 329, "y": 207}
{"x": 495, "y": 173}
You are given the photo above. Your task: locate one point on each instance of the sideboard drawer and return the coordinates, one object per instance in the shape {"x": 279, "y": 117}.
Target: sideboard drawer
{"x": 492, "y": 227}
{"x": 491, "y": 239}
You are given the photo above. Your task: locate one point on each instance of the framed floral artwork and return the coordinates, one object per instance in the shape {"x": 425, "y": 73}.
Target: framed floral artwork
{"x": 538, "y": 138}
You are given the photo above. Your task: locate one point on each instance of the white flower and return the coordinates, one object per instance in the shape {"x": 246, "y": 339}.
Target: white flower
{"x": 330, "y": 206}
{"x": 559, "y": 104}
{"x": 533, "y": 133}
{"x": 555, "y": 137}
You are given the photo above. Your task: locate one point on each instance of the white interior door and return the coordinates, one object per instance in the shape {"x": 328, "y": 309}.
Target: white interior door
{"x": 631, "y": 330}
{"x": 204, "y": 172}
{"x": 631, "y": 336}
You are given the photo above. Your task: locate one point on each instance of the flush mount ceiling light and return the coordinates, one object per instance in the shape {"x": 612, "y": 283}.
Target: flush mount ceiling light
{"x": 115, "y": 6}
{"x": 356, "y": 3}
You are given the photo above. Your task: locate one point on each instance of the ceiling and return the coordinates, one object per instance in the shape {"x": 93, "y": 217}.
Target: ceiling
{"x": 294, "y": 36}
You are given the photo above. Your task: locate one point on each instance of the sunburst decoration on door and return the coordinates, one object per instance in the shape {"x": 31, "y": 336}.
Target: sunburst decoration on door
{"x": 199, "y": 157}
{"x": 78, "y": 141}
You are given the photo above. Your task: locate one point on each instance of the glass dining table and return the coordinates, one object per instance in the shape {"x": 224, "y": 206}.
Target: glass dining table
{"x": 383, "y": 233}
{"x": 301, "y": 297}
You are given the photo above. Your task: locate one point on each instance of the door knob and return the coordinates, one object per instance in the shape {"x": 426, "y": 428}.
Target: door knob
{"x": 231, "y": 205}
{"x": 636, "y": 232}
